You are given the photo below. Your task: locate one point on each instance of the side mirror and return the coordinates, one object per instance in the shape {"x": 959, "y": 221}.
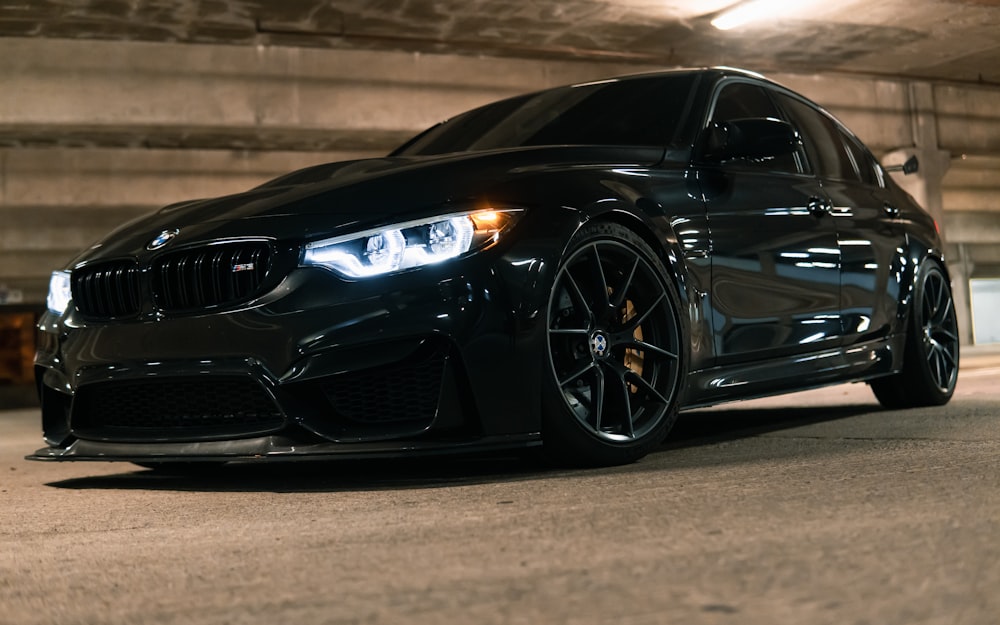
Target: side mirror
{"x": 911, "y": 166}
{"x": 755, "y": 138}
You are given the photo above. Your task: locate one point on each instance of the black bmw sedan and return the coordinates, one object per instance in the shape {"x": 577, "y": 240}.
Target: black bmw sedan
{"x": 564, "y": 269}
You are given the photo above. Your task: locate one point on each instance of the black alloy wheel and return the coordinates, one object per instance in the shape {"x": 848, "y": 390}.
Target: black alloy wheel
{"x": 614, "y": 339}
{"x": 930, "y": 360}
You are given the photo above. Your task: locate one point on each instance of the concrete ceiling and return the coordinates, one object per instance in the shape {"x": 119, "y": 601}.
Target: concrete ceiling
{"x": 955, "y": 40}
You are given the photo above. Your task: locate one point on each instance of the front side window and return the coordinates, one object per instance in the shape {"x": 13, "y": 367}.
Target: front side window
{"x": 742, "y": 100}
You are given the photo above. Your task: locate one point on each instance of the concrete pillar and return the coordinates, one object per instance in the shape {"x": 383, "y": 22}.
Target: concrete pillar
{"x": 926, "y": 186}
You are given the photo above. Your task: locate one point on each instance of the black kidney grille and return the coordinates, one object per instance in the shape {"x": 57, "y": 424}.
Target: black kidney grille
{"x": 174, "y": 409}
{"x": 407, "y": 391}
{"x": 210, "y": 276}
{"x": 107, "y": 290}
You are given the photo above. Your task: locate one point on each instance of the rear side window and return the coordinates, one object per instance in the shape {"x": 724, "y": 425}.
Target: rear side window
{"x": 642, "y": 112}
{"x": 865, "y": 164}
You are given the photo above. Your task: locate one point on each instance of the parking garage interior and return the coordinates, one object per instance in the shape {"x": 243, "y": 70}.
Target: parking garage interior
{"x": 110, "y": 109}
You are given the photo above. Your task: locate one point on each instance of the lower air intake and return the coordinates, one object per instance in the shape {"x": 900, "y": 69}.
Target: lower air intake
{"x": 174, "y": 409}
{"x": 404, "y": 392}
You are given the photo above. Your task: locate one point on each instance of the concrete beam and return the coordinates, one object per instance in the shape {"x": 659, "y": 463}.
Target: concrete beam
{"x": 978, "y": 200}
{"x": 97, "y": 177}
{"x": 59, "y": 89}
{"x": 968, "y": 119}
{"x": 972, "y": 227}
{"x": 973, "y": 184}
{"x": 55, "y": 202}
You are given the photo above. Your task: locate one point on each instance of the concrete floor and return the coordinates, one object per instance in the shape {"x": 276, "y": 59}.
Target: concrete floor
{"x": 815, "y": 508}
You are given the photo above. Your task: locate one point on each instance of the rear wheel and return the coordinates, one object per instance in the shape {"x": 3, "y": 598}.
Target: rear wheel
{"x": 930, "y": 359}
{"x": 615, "y": 351}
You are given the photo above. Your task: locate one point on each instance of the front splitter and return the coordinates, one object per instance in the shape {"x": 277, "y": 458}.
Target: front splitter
{"x": 275, "y": 448}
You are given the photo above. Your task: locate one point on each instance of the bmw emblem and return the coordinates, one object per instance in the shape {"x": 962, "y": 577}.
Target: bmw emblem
{"x": 161, "y": 239}
{"x": 599, "y": 344}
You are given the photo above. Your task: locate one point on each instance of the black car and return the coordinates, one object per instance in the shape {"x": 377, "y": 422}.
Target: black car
{"x": 563, "y": 269}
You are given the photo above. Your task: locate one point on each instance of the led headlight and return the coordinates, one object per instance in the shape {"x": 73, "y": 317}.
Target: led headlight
{"x": 59, "y": 292}
{"x": 411, "y": 244}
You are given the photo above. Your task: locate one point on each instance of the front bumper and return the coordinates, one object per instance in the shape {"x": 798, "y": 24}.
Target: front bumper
{"x": 317, "y": 367}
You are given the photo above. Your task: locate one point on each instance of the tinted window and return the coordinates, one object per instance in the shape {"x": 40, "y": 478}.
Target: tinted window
{"x": 742, "y": 100}
{"x": 863, "y": 162}
{"x": 633, "y": 112}
{"x": 822, "y": 139}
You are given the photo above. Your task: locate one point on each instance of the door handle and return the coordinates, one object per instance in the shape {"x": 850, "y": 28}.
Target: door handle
{"x": 818, "y": 206}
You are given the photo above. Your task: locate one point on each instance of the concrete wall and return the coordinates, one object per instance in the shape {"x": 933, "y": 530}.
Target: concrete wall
{"x": 94, "y": 133}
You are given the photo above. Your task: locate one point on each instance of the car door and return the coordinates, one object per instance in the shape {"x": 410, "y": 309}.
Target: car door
{"x": 775, "y": 278}
{"x": 868, "y": 233}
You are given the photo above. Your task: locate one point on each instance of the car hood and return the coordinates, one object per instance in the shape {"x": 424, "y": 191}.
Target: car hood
{"x": 334, "y": 198}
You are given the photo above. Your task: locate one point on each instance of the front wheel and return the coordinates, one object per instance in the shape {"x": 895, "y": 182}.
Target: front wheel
{"x": 615, "y": 350}
{"x": 930, "y": 359}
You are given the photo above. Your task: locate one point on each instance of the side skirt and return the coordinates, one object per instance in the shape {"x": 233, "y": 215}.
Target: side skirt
{"x": 856, "y": 363}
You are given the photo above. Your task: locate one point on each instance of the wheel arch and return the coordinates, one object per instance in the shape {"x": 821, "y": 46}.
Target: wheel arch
{"x": 918, "y": 252}
{"x": 668, "y": 251}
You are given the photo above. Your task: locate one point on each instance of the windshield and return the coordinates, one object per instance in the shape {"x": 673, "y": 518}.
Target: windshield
{"x": 642, "y": 111}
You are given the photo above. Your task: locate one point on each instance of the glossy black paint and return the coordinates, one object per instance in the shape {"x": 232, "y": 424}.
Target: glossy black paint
{"x": 788, "y": 281}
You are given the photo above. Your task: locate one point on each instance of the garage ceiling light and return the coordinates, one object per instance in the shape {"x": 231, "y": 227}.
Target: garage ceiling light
{"x": 756, "y": 10}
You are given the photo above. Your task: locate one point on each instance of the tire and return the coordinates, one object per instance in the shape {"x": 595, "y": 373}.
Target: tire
{"x": 930, "y": 357}
{"x": 615, "y": 351}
